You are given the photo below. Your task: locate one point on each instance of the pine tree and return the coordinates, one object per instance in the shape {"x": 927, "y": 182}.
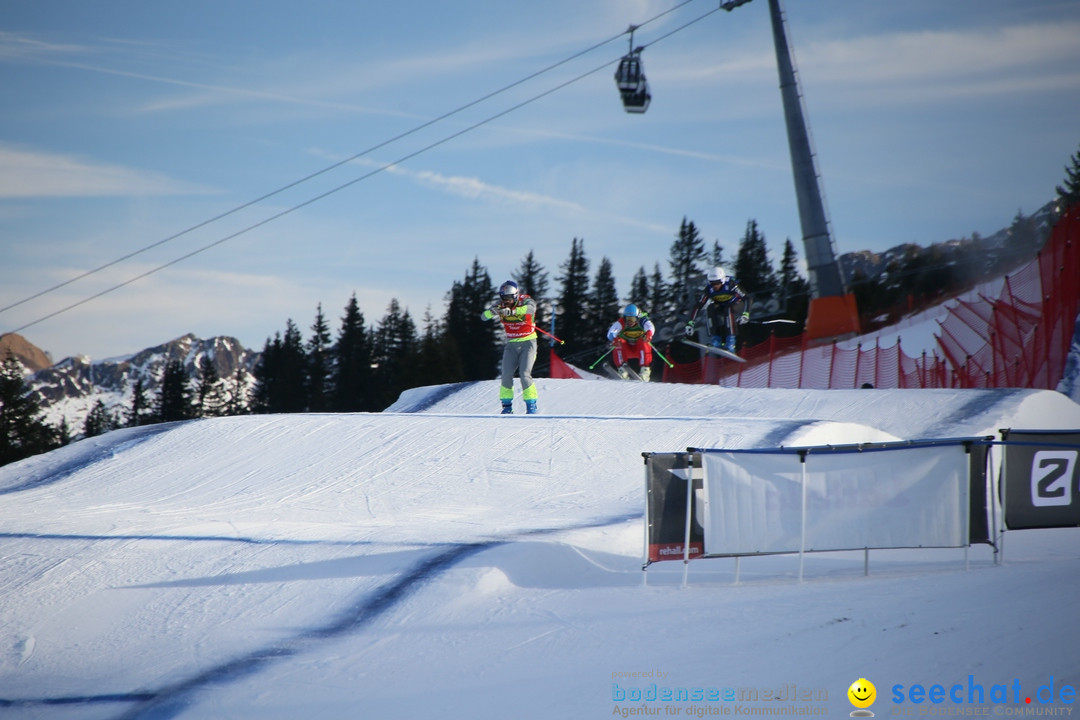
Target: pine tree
{"x": 533, "y": 281}
{"x": 661, "y": 307}
{"x": 237, "y": 403}
{"x": 475, "y": 337}
{"x": 868, "y": 293}
{"x": 716, "y": 257}
{"x": 281, "y": 375}
{"x": 209, "y": 398}
{"x": 23, "y": 432}
{"x": 753, "y": 269}
{"x": 63, "y": 433}
{"x": 438, "y": 359}
{"x": 319, "y": 358}
{"x": 1023, "y": 240}
{"x": 139, "y": 413}
{"x": 1070, "y": 191}
{"x": 174, "y": 401}
{"x": 573, "y": 308}
{"x": 794, "y": 288}
{"x": 396, "y": 347}
{"x": 268, "y": 376}
{"x": 685, "y": 259}
{"x": 294, "y": 370}
{"x": 352, "y": 362}
{"x": 639, "y": 288}
{"x": 98, "y": 421}
{"x": 604, "y": 305}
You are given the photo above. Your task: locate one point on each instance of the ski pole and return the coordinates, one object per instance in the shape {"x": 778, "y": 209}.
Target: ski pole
{"x": 561, "y": 342}
{"x": 601, "y": 358}
{"x": 660, "y": 355}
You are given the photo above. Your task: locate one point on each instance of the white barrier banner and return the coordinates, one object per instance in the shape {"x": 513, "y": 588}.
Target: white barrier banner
{"x": 897, "y": 498}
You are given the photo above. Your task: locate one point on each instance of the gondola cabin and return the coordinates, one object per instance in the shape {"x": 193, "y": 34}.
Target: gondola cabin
{"x": 633, "y": 87}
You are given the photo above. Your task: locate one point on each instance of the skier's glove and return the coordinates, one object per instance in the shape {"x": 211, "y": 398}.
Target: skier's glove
{"x": 505, "y": 311}
{"x": 744, "y": 318}
{"x": 689, "y": 329}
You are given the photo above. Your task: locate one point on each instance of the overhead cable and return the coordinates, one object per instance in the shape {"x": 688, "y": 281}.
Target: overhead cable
{"x": 338, "y": 164}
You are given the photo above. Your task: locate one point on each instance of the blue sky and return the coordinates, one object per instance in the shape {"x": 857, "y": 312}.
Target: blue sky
{"x": 127, "y": 123}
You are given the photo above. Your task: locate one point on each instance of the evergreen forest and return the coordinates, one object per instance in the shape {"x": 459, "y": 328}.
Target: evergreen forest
{"x": 353, "y": 365}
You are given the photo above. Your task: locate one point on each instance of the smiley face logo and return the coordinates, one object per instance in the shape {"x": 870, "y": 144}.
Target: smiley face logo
{"x": 862, "y": 693}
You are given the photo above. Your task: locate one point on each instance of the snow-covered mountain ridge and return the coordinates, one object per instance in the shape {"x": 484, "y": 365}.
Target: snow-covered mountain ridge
{"x": 71, "y": 387}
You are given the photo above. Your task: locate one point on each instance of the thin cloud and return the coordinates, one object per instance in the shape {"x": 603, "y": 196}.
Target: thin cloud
{"x": 651, "y": 147}
{"x": 930, "y": 65}
{"x": 33, "y": 174}
{"x": 925, "y": 66}
{"x": 20, "y": 47}
{"x": 94, "y": 59}
{"x": 476, "y": 189}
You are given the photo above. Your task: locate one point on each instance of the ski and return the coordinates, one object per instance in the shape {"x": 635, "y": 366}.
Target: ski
{"x": 610, "y": 370}
{"x": 715, "y": 350}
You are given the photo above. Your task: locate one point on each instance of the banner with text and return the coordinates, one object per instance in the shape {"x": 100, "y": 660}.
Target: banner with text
{"x": 1041, "y": 478}
{"x": 667, "y": 477}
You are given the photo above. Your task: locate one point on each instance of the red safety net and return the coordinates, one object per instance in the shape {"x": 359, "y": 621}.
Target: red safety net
{"x": 1016, "y": 337}
{"x": 559, "y": 368}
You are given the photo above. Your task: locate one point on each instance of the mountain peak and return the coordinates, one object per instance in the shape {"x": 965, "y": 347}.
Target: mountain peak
{"x": 31, "y": 356}
{"x": 70, "y": 388}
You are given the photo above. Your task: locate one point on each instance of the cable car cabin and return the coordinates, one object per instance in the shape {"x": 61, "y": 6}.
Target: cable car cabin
{"x": 630, "y": 79}
{"x": 630, "y": 73}
{"x": 636, "y": 102}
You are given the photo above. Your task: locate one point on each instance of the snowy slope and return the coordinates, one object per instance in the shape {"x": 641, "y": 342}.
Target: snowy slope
{"x": 437, "y": 560}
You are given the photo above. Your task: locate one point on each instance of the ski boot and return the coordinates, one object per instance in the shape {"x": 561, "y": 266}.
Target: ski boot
{"x": 646, "y": 373}
{"x": 730, "y": 343}
{"x": 508, "y": 407}
{"x": 530, "y": 407}
{"x": 717, "y": 341}
{"x": 623, "y": 372}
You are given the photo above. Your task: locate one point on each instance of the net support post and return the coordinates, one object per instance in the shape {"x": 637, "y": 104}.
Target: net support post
{"x": 802, "y": 529}
{"x": 686, "y": 534}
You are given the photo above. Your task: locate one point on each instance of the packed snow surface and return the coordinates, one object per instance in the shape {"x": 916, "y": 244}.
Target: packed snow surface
{"x": 440, "y": 561}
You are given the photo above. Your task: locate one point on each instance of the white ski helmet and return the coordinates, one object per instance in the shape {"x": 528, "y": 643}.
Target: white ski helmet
{"x": 717, "y": 276}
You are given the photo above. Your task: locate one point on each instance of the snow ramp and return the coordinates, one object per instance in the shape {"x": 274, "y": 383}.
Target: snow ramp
{"x": 899, "y": 414}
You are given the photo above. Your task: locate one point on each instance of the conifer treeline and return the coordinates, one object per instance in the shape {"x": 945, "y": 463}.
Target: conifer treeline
{"x": 365, "y": 367}
{"x": 362, "y": 367}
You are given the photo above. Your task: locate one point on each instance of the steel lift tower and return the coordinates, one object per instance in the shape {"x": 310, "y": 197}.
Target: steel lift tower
{"x": 833, "y": 312}
{"x": 832, "y": 308}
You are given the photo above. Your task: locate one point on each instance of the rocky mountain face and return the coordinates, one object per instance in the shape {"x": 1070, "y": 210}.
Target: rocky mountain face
{"x": 31, "y": 356}
{"x": 70, "y": 388}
